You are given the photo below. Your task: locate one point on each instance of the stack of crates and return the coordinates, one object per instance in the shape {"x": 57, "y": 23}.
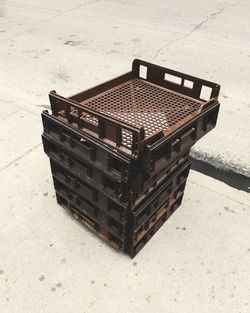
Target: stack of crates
{"x": 119, "y": 151}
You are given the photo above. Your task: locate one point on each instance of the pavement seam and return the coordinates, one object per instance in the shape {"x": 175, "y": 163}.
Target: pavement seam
{"x": 63, "y": 12}
{"x": 221, "y": 194}
{"x": 7, "y": 115}
{"x": 20, "y": 157}
{"x": 16, "y": 106}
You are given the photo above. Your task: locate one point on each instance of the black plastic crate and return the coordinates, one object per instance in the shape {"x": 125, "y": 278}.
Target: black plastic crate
{"x": 98, "y": 198}
{"x": 103, "y": 201}
{"x": 95, "y": 227}
{"x": 119, "y": 151}
{"x": 147, "y": 209}
{"x": 85, "y": 171}
{"x": 125, "y": 193}
{"x": 87, "y": 148}
{"x": 132, "y": 249}
{"x": 138, "y": 232}
{"x": 103, "y": 209}
{"x": 136, "y": 223}
{"x": 96, "y": 214}
{"x": 94, "y": 154}
{"x": 133, "y": 243}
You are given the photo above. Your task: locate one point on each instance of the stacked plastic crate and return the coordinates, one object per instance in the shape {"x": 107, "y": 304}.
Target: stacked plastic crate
{"x": 119, "y": 151}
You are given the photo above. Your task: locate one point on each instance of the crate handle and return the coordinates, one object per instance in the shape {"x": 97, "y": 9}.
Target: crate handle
{"x": 191, "y": 131}
{"x": 59, "y": 103}
{"x": 180, "y": 82}
{"x": 206, "y": 105}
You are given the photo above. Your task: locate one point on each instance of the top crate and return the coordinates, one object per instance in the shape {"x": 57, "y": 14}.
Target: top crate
{"x": 145, "y": 111}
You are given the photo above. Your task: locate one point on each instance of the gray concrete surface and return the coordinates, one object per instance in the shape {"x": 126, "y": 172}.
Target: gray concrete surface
{"x": 199, "y": 261}
{"x": 72, "y": 45}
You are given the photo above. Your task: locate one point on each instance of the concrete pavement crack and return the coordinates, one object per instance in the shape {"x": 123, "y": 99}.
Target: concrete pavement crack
{"x": 211, "y": 16}
{"x": 20, "y": 157}
{"x": 167, "y": 45}
{"x": 196, "y": 27}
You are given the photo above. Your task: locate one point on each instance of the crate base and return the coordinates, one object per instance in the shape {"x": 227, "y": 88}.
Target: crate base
{"x": 134, "y": 250}
{"x": 128, "y": 246}
{"x": 97, "y": 229}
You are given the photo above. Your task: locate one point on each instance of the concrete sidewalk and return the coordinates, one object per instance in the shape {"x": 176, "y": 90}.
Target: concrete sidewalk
{"x": 73, "y": 45}
{"x": 199, "y": 261}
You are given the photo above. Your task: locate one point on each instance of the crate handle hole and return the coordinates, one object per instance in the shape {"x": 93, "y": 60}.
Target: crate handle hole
{"x": 143, "y": 71}
{"x": 188, "y": 84}
{"x": 205, "y": 92}
{"x": 172, "y": 78}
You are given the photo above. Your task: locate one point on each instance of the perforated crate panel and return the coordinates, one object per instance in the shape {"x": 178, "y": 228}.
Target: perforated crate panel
{"x": 143, "y": 104}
